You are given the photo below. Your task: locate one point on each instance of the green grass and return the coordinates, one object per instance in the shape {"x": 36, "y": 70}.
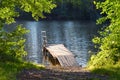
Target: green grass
{"x": 113, "y": 71}
{"x": 9, "y": 70}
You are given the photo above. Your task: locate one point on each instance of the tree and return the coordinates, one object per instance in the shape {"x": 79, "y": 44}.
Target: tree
{"x": 12, "y": 43}
{"x": 109, "y": 39}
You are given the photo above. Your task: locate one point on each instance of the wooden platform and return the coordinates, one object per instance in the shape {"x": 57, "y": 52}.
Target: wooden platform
{"x": 62, "y": 54}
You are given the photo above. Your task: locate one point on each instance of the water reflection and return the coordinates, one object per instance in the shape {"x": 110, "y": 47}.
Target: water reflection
{"x": 75, "y": 35}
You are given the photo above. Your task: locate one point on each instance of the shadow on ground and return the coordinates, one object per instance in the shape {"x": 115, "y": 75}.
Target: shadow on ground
{"x": 59, "y": 74}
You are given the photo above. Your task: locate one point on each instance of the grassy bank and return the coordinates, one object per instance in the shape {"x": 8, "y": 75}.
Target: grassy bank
{"x": 112, "y": 71}
{"x": 9, "y": 70}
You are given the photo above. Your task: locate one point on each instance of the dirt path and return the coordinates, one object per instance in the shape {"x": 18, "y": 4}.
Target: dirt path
{"x": 67, "y": 73}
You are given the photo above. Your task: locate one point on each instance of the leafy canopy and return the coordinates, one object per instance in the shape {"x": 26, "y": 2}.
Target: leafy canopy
{"x": 109, "y": 40}
{"x": 36, "y": 7}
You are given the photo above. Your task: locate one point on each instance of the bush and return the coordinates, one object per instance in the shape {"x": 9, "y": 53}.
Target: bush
{"x": 12, "y": 44}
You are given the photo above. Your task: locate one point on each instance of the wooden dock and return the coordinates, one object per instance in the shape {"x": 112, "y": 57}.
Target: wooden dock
{"x": 60, "y": 55}
{"x": 57, "y": 54}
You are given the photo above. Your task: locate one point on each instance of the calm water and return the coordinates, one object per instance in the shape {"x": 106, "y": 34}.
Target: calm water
{"x": 75, "y": 35}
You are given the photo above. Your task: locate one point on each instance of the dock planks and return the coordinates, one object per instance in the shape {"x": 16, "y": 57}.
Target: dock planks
{"x": 64, "y": 56}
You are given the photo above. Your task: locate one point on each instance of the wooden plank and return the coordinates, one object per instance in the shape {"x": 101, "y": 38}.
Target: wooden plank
{"x": 59, "y": 49}
{"x": 64, "y": 56}
{"x": 61, "y": 61}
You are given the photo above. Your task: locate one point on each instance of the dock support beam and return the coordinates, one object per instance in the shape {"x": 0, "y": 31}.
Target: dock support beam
{"x": 44, "y": 44}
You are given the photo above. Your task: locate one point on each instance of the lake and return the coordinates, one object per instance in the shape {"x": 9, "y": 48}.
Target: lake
{"x": 75, "y": 35}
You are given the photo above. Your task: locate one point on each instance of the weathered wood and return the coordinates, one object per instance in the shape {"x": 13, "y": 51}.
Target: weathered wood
{"x": 63, "y": 55}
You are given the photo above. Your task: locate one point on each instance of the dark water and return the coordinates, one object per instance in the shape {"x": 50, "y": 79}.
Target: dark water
{"x": 75, "y": 35}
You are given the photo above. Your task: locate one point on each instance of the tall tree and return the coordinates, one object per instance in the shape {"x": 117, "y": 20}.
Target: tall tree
{"x": 109, "y": 41}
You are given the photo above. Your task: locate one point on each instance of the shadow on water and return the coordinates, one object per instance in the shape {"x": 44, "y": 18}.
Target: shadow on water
{"x": 75, "y": 35}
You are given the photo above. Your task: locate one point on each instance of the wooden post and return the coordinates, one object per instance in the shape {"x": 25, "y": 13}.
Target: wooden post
{"x": 44, "y": 38}
{"x": 44, "y": 44}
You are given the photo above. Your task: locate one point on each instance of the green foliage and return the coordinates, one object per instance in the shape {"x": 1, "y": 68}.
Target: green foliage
{"x": 12, "y": 43}
{"x": 36, "y": 7}
{"x": 109, "y": 41}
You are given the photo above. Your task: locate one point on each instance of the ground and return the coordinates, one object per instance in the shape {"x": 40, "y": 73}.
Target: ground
{"x": 60, "y": 73}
